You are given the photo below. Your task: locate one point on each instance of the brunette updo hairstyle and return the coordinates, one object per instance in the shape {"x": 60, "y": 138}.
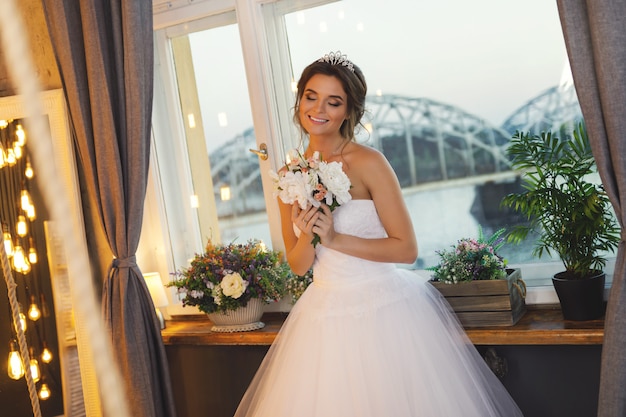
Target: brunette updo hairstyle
{"x": 353, "y": 84}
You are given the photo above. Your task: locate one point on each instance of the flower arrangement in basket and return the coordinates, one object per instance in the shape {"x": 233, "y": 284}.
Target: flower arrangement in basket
{"x": 310, "y": 182}
{"x": 226, "y": 277}
{"x": 471, "y": 260}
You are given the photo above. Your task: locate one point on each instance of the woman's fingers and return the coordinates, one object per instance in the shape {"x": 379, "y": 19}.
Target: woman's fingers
{"x": 311, "y": 213}
{"x": 304, "y": 219}
{"x": 324, "y": 223}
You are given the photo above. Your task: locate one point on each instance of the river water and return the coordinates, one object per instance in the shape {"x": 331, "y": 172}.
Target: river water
{"x": 441, "y": 216}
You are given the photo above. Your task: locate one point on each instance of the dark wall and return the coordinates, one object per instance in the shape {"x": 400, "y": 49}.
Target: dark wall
{"x": 545, "y": 381}
{"x": 553, "y": 381}
{"x": 210, "y": 380}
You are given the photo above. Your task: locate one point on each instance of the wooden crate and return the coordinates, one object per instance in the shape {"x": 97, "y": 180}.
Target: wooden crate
{"x": 498, "y": 302}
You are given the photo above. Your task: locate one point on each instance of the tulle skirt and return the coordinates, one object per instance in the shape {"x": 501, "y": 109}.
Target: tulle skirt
{"x": 384, "y": 346}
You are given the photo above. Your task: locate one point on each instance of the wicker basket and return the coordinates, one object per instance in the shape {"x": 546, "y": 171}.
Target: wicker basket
{"x": 244, "y": 319}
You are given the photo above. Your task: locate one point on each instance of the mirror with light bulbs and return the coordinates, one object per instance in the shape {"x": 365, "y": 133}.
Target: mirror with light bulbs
{"x": 38, "y": 269}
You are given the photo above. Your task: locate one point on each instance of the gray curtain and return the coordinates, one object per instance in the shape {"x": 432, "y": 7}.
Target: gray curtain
{"x": 595, "y": 36}
{"x": 104, "y": 49}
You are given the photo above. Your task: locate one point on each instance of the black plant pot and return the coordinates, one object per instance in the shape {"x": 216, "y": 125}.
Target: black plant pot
{"x": 581, "y": 299}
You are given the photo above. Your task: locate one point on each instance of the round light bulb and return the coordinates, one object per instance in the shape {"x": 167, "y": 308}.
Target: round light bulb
{"x": 28, "y": 171}
{"x": 30, "y": 212}
{"x": 21, "y": 227}
{"x": 25, "y": 199}
{"x": 34, "y": 370}
{"x": 33, "y": 310}
{"x": 46, "y": 355}
{"x": 15, "y": 366}
{"x": 8, "y": 243}
{"x": 20, "y": 260}
{"x": 44, "y": 392}
{"x": 32, "y": 255}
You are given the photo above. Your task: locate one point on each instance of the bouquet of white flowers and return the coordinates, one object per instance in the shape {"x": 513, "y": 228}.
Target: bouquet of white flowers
{"x": 310, "y": 182}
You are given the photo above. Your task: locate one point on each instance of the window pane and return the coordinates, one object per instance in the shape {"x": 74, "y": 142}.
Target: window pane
{"x": 223, "y": 97}
{"x": 449, "y": 83}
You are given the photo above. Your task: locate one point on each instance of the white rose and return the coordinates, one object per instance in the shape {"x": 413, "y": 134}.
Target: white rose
{"x": 336, "y": 181}
{"x": 233, "y": 285}
{"x": 294, "y": 187}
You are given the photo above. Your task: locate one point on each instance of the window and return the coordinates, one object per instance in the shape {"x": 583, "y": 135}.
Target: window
{"x": 447, "y": 92}
{"x": 449, "y": 83}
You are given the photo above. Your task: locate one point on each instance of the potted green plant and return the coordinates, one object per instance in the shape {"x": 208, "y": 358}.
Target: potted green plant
{"x": 232, "y": 282}
{"x": 570, "y": 213}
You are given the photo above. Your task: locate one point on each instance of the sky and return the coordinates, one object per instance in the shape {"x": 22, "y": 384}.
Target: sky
{"x": 487, "y": 57}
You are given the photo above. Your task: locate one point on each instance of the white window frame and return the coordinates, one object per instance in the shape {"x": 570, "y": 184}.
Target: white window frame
{"x": 171, "y": 233}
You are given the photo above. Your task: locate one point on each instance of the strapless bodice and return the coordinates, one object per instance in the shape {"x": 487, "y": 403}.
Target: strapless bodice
{"x": 336, "y": 269}
{"x": 359, "y": 218}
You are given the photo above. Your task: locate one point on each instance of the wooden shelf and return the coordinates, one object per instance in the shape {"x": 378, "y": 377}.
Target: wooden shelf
{"x": 540, "y": 326}
{"x": 196, "y": 330}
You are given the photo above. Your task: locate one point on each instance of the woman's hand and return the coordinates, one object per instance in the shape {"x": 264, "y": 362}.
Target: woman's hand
{"x": 324, "y": 226}
{"x": 305, "y": 219}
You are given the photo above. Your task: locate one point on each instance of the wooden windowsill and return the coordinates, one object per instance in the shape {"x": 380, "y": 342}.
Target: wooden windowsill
{"x": 539, "y": 326}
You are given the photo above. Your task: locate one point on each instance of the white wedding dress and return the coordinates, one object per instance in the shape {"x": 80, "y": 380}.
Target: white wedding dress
{"x": 368, "y": 339}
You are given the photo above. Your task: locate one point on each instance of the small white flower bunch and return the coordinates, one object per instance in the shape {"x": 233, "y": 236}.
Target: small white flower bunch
{"x": 297, "y": 284}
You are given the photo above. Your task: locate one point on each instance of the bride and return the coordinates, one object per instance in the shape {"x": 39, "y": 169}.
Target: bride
{"x": 366, "y": 339}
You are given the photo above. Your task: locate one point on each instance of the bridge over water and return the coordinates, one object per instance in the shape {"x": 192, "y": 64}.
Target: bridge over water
{"x": 428, "y": 143}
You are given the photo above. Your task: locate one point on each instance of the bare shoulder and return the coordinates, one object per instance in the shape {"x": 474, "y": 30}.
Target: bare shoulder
{"x": 368, "y": 161}
{"x": 364, "y": 156}
{"x": 366, "y": 167}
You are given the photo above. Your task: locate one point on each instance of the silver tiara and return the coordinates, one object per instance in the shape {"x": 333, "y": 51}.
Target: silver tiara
{"x": 336, "y": 58}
